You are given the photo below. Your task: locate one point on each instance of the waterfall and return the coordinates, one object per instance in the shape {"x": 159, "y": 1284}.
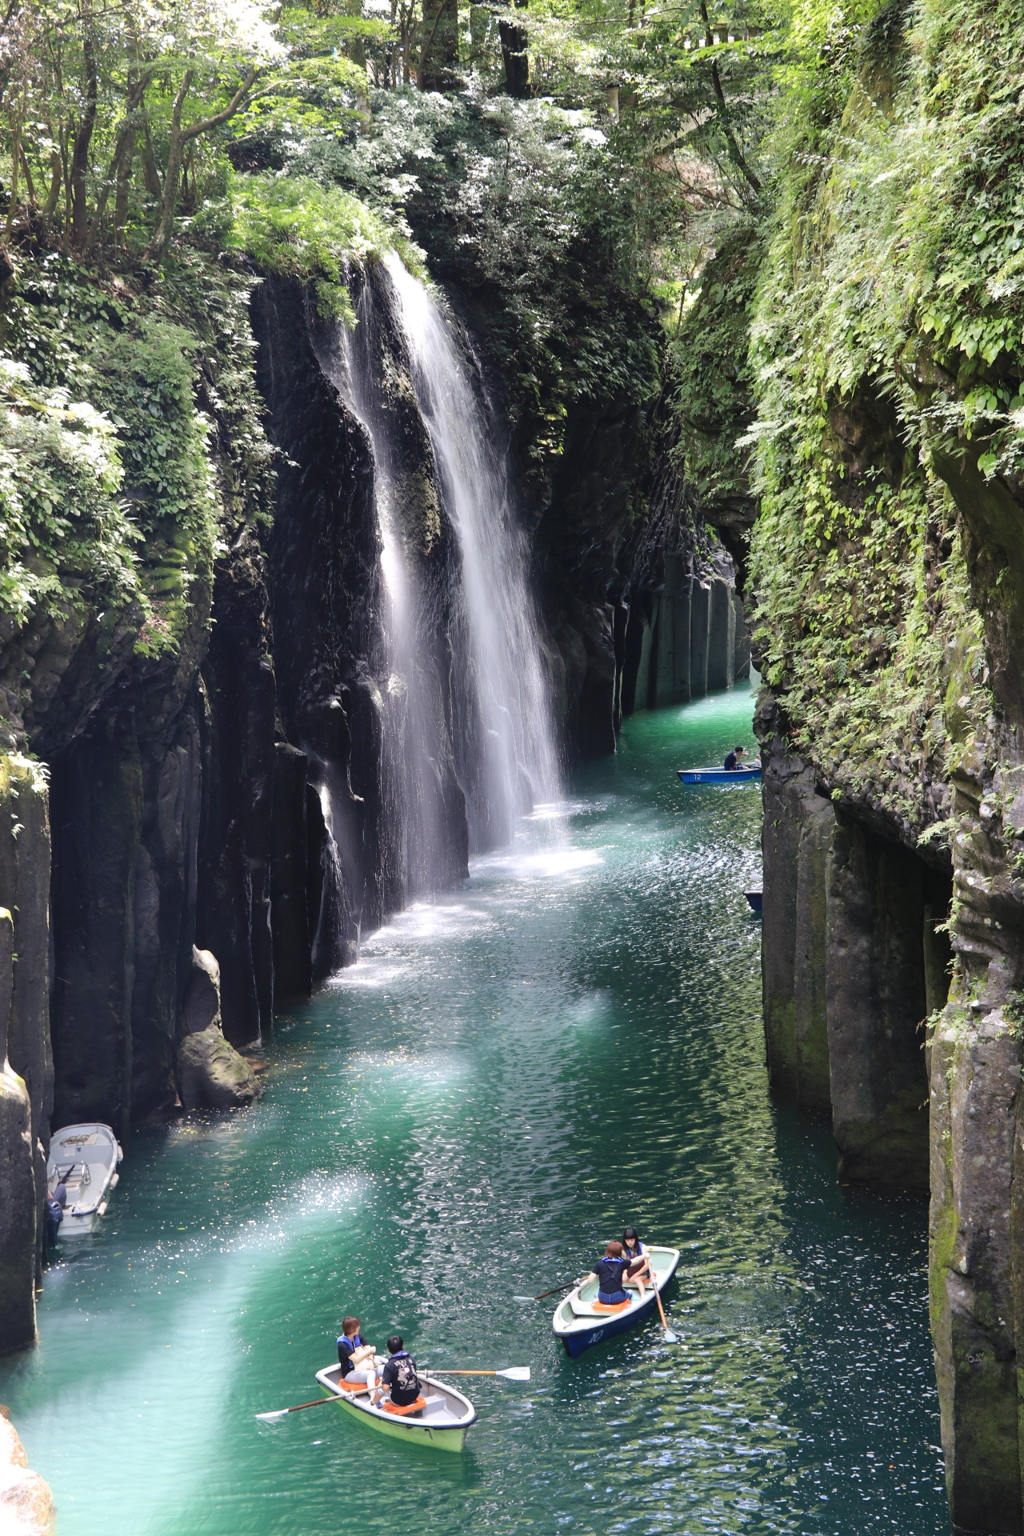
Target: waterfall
{"x": 467, "y": 738}
{"x": 514, "y": 765}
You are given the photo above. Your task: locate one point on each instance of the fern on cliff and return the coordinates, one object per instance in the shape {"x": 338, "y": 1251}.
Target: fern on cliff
{"x": 888, "y": 331}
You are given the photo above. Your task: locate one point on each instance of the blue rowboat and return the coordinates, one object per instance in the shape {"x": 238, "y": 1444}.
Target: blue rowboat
{"x": 720, "y": 775}
{"x": 755, "y": 900}
{"x": 579, "y": 1323}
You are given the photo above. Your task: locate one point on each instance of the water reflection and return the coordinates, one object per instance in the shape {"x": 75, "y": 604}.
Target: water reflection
{"x": 504, "y": 1081}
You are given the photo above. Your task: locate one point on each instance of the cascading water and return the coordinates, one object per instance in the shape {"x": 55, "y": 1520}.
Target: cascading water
{"x": 466, "y": 717}
{"x": 514, "y": 766}
{"x": 427, "y": 806}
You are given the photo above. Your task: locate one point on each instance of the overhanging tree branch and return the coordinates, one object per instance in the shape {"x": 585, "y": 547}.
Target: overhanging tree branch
{"x": 179, "y": 138}
{"x": 724, "y": 117}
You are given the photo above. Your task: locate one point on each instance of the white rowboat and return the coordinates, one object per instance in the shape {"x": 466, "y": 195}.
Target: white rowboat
{"x": 84, "y": 1159}
{"x": 441, "y": 1423}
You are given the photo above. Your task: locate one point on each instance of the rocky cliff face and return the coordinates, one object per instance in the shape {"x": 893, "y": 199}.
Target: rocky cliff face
{"x": 884, "y": 577}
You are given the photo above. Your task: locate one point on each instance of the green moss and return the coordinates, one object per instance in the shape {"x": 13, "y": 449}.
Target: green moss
{"x": 884, "y": 337}
{"x": 298, "y": 226}
{"x": 131, "y": 440}
{"x": 711, "y": 381}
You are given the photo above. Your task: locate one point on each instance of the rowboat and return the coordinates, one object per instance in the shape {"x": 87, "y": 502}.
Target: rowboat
{"x": 581, "y": 1320}
{"x": 441, "y": 1423}
{"x": 84, "y": 1159}
{"x": 720, "y": 775}
{"x": 755, "y": 900}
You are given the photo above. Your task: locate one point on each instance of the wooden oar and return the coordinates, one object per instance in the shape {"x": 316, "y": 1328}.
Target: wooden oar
{"x": 514, "y": 1372}
{"x": 279, "y": 1413}
{"x": 670, "y": 1337}
{"x": 568, "y": 1286}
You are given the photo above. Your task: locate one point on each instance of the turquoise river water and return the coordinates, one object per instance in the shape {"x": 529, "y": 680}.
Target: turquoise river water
{"x": 570, "y": 1042}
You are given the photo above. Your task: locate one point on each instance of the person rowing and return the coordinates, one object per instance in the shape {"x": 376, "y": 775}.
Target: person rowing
{"x": 638, "y": 1266}
{"x": 610, "y": 1272}
{"x": 399, "y": 1375}
{"x": 733, "y": 759}
{"x": 355, "y": 1356}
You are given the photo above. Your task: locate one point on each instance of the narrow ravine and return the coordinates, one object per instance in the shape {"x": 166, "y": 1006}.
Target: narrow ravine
{"x": 569, "y": 1041}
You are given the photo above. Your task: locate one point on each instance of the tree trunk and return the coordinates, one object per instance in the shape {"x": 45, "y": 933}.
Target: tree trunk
{"x": 515, "y": 57}
{"x": 439, "y": 46}
{"x": 179, "y": 140}
{"x": 124, "y": 181}
{"x": 172, "y": 173}
{"x": 83, "y": 137}
{"x": 356, "y": 46}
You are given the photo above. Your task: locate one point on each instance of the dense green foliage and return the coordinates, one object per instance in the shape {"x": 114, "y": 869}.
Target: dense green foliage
{"x": 113, "y": 477}
{"x": 887, "y": 338}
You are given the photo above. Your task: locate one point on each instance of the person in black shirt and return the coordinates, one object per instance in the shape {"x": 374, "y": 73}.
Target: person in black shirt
{"x": 355, "y": 1356}
{"x": 610, "y": 1272}
{"x": 399, "y": 1375}
{"x": 732, "y": 762}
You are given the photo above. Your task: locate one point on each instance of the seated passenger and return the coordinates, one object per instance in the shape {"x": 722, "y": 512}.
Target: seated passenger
{"x": 399, "y": 1375}
{"x": 638, "y": 1268}
{"x": 732, "y": 762}
{"x": 355, "y": 1356}
{"x": 609, "y": 1271}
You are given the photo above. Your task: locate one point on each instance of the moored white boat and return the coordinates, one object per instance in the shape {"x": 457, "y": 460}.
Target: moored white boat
{"x": 581, "y": 1320}
{"x": 84, "y": 1159}
{"x": 441, "y": 1423}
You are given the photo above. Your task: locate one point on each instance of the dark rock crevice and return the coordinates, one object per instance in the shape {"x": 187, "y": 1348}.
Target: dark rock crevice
{"x": 856, "y": 960}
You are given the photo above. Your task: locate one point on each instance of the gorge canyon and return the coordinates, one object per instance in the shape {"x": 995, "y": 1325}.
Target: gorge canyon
{"x": 331, "y": 556}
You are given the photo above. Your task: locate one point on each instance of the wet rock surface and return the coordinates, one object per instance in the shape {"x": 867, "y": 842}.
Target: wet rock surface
{"x": 26, "y": 1503}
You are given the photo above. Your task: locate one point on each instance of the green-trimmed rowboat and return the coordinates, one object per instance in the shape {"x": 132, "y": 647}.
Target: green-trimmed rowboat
{"x": 441, "y": 1424}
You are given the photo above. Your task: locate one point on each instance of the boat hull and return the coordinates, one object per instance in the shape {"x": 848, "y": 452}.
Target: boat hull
{"x": 719, "y": 775}
{"x": 579, "y": 1333}
{"x": 84, "y": 1158}
{"x": 435, "y": 1437}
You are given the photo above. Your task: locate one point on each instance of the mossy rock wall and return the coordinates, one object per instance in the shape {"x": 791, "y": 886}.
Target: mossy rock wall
{"x": 886, "y": 363}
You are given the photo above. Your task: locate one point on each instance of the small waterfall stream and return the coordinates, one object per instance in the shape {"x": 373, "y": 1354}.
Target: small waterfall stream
{"x": 409, "y": 526}
{"x": 517, "y": 764}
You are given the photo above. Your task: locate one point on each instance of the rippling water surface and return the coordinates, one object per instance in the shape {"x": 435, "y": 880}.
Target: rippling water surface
{"x": 570, "y": 1042}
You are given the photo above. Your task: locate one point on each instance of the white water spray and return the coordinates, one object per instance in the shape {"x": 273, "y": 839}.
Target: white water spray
{"x": 518, "y": 767}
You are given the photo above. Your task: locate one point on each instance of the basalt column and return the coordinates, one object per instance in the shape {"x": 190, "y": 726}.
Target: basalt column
{"x": 797, "y": 835}
{"x": 880, "y": 951}
{"x": 854, "y": 960}
{"x": 977, "y": 1157}
{"x": 97, "y": 822}
{"x": 233, "y": 919}
{"x": 26, "y": 1073}
{"x": 687, "y": 640}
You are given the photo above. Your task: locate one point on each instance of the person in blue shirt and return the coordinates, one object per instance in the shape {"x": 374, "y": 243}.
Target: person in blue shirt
{"x": 610, "y": 1272}
{"x": 732, "y": 762}
{"x": 355, "y": 1356}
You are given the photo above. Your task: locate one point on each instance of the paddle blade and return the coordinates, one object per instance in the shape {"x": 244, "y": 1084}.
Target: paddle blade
{"x": 515, "y": 1373}
{"x": 278, "y": 1413}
